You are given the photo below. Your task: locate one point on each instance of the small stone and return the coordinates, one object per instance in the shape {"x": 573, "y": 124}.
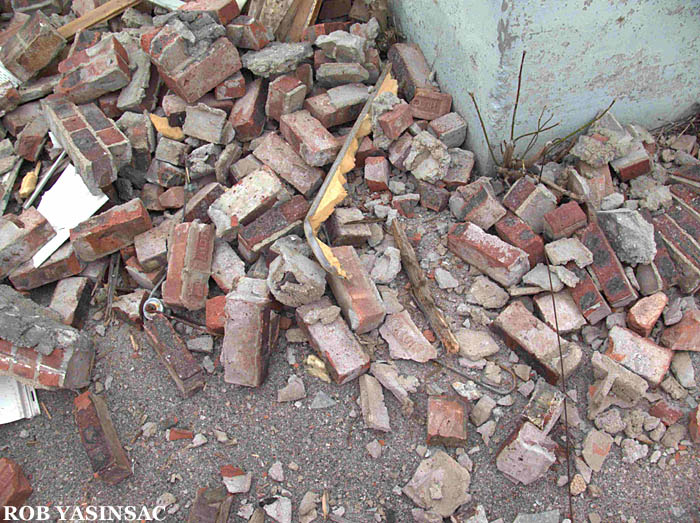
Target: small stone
{"x": 201, "y": 344}
{"x": 673, "y": 436}
{"x": 632, "y": 450}
{"x": 322, "y": 401}
{"x": 387, "y": 266}
{"x": 596, "y": 448}
{"x": 276, "y": 472}
{"x": 374, "y": 448}
{"x": 487, "y": 293}
{"x": 280, "y": 510}
{"x": 476, "y": 345}
{"x": 610, "y": 421}
{"x": 293, "y": 391}
{"x": 482, "y": 410}
{"x": 682, "y": 368}
{"x": 445, "y": 280}
{"x": 197, "y": 441}
{"x": 578, "y": 485}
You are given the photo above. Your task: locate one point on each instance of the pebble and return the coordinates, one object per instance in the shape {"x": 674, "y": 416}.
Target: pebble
{"x": 322, "y": 401}
{"x": 276, "y": 471}
{"x": 374, "y": 448}
{"x": 445, "y": 280}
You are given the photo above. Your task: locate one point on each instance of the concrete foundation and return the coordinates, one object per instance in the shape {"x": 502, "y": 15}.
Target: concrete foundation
{"x": 580, "y": 56}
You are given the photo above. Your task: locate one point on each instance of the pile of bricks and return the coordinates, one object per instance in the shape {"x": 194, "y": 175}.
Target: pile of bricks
{"x": 211, "y": 140}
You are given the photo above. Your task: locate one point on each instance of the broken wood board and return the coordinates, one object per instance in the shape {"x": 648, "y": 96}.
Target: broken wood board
{"x": 302, "y": 15}
{"x": 332, "y": 191}
{"x": 421, "y": 289}
{"x": 100, "y": 14}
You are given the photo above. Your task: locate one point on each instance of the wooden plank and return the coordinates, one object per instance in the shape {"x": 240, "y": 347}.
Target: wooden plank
{"x": 101, "y": 14}
{"x": 292, "y": 28}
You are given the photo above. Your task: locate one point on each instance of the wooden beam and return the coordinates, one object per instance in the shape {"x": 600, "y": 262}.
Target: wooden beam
{"x": 298, "y": 19}
{"x": 101, "y": 14}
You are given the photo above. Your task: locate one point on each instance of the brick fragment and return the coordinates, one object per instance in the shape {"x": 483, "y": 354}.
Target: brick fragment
{"x": 357, "y": 296}
{"x": 537, "y": 343}
{"x": 61, "y": 264}
{"x": 31, "y": 140}
{"x": 399, "y": 151}
{"x": 285, "y": 95}
{"x": 100, "y": 440}
{"x": 172, "y": 351}
{"x": 244, "y": 202}
{"x": 636, "y": 163}
{"x": 430, "y": 104}
{"x": 138, "y": 128}
{"x": 142, "y": 277}
{"x": 214, "y": 314}
{"x": 685, "y": 335}
{"x": 32, "y": 47}
{"x": 14, "y": 485}
{"x": 526, "y": 454}
{"x": 596, "y": 447}
{"x": 587, "y": 296}
{"x": 502, "y": 262}
{"x": 231, "y": 88}
{"x": 251, "y": 331}
{"x": 410, "y": 68}
{"x": 405, "y": 204}
{"x": 396, "y": 121}
{"x": 515, "y": 231}
{"x": 640, "y": 355}
{"x": 334, "y": 342}
{"x": 223, "y": 10}
{"x": 198, "y": 204}
{"x": 247, "y": 33}
{"x": 614, "y": 385}
{"x": 694, "y": 425}
{"x": 190, "y": 252}
{"x": 248, "y": 114}
{"x": 405, "y": 340}
{"x": 71, "y": 300}
{"x": 568, "y": 316}
{"x": 432, "y": 196}
{"x": 14, "y": 121}
{"x": 563, "y": 221}
{"x": 172, "y": 198}
{"x": 207, "y": 124}
{"x": 332, "y": 74}
{"x": 151, "y": 247}
{"x": 279, "y": 156}
{"x": 642, "y": 316}
{"x": 21, "y": 237}
{"x": 545, "y": 406}
{"x": 667, "y": 413}
{"x": 595, "y": 183}
{"x": 128, "y": 307}
{"x": 377, "y": 173}
{"x": 110, "y": 231}
{"x": 309, "y": 138}
{"x": 530, "y": 202}
{"x": 343, "y": 233}
{"x": 374, "y": 410}
{"x": 450, "y": 129}
{"x": 210, "y": 505}
{"x": 338, "y": 105}
{"x": 447, "y": 421}
{"x": 477, "y": 203}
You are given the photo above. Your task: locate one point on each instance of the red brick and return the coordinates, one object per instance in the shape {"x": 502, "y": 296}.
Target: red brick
{"x": 198, "y": 204}
{"x": 635, "y": 164}
{"x": 429, "y": 104}
{"x": 173, "y": 198}
{"x": 309, "y": 138}
{"x": 177, "y": 434}
{"x": 14, "y": 485}
{"x": 110, "y": 231}
{"x": 606, "y": 267}
{"x": 224, "y": 10}
{"x": 432, "y": 196}
{"x": 399, "y": 150}
{"x": 231, "y": 88}
{"x": 530, "y": 203}
{"x": 405, "y": 204}
{"x": 666, "y": 412}
{"x": 343, "y": 233}
{"x": 279, "y": 156}
{"x": 190, "y": 252}
{"x": 9, "y": 97}
{"x": 410, "y": 68}
{"x": 285, "y": 95}
{"x": 320, "y": 59}
{"x": 683, "y": 250}
{"x": 685, "y": 335}
{"x": 215, "y": 320}
{"x": 334, "y": 9}
{"x": 640, "y": 355}
{"x": 15, "y": 120}
{"x": 587, "y": 296}
{"x": 279, "y": 221}
{"x": 21, "y": 237}
{"x": 365, "y": 150}
{"x": 141, "y": 276}
{"x": 329, "y": 114}
{"x": 526, "y": 454}
{"x": 563, "y": 221}
{"x": 30, "y": 141}
{"x": 71, "y": 300}
{"x": 334, "y": 342}
{"x": 61, "y": 264}
{"x": 642, "y": 316}
{"x": 447, "y": 421}
{"x": 250, "y": 333}
{"x": 357, "y": 295}
{"x": 597, "y": 179}
{"x": 377, "y": 173}
{"x": 247, "y": 33}
{"x": 314, "y": 31}
{"x": 694, "y": 425}
{"x": 537, "y": 343}
{"x": 396, "y": 121}
{"x": 513, "y": 230}
{"x": 502, "y": 262}
{"x": 172, "y": 351}
{"x": 248, "y": 114}
{"x": 518, "y": 193}
{"x": 450, "y": 129}
{"x": 406, "y": 341}
{"x": 99, "y": 437}
{"x": 477, "y": 203}
{"x": 127, "y": 308}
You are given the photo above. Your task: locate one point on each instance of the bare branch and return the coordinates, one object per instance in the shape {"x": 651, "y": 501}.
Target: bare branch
{"x": 483, "y": 128}
{"x": 517, "y": 96}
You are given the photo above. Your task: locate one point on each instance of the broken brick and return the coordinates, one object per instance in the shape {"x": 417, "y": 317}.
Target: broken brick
{"x": 172, "y": 351}
{"x": 198, "y": 204}
{"x": 447, "y": 421}
{"x": 399, "y": 151}
{"x": 587, "y": 296}
{"x": 339, "y": 105}
{"x": 685, "y": 335}
{"x": 477, "y": 203}
{"x": 231, "y": 88}
{"x": 71, "y": 300}
{"x": 248, "y": 114}
{"x": 142, "y": 277}
{"x": 502, "y": 262}
{"x": 309, "y": 138}
{"x": 285, "y": 95}
{"x": 247, "y": 33}
{"x": 21, "y": 237}
{"x": 226, "y": 267}
{"x": 545, "y": 406}
{"x": 334, "y": 342}
{"x": 642, "y": 316}
{"x": 563, "y": 221}
{"x": 31, "y": 140}
{"x": 667, "y": 413}
{"x": 450, "y": 129}
{"x": 396, "y": 121}
{"x": 614, "y": 385}
{"x": 214, "y": 314}
{"x": 190, "y": 252}
{"x": 640, "y": 355}
{"x": 405, "y": 204}
{"x": 14, "y": 485}
{"x": 207, "y": 124}
{"x": 99, "y": 437}
{"x": 530, "y": 202}
{"x": 405, "y": 341}
{"x": 526, "y": 454}
{"x": 341, "y": 232}
{"x": 433, "y": 197}
{"x": 410, "y": 68}
{"x": 172, "y": 198}
{"x": 377, "y": 173}
{"x": 61, "y": 264}
{"x": 515, "y": 231}
{"x": 128, "y": 307}
{"x": 636, "y": 163}
{"x": 223, "y": 10}
{"x": 374, "y": 411}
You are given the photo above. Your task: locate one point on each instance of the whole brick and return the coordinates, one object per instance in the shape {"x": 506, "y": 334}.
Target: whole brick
{"x": 190, "y": 252}
{"x": 251, "y": 331}
{"x": 309, "y": 138}
{"x": 537, "y": 343}
{"x": 279, "y": 156}
{"x": 334, "y": 342}
{"x": 515, "y": 231}
{"x": 248, "y": 114}
{"x": 99, "y": 437}
{"x": 450, "y": 129}
{"x": 502, "y": 262}
{"x": 357, "y": 295}
{"x": 429, "y": 104}
{"x": 447, "y": 421}
{"x": 377, "y": 173}
{"x": 477, "y": 203}
{"x": 642, "y": 316}
{"x": 563, "y": 221}
{"x": 14, "y": 485}
{"x": 685, "y": 335}
{"x": 61, "y": 264}
{"x": 285, "y": 95}
{"x": 172, "y": 351}
{"x": 223, "y": 10}
{"x": 432, "y": 196}
{"x": 396, "y": 121}
{"x": 21, "y": 237}
{"x": 640, "y": 355}
{"x": 410, "y": 68}
{"x": 110, "y": 231}
{"x": 71, "y": 300}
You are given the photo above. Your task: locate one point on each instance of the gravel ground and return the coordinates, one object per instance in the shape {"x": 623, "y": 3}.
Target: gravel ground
{"x": 328, "y": 445}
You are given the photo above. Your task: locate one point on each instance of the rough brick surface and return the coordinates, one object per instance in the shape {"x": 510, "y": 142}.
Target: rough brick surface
{"x": 100, "y": 440}
{"x": 377, "y": 173}
{"x": 429, "y": 104}
{"x": 247, "y": 33}
{"x": 530, "y": 202}
{"x": 21, "y": 237}
{"x": 374, "y": 411}
{"x": 642, "y": 316}
{"x": 410, "y": 68}
{"x": 614, "y": 385}
{"x": 334, "y": 342}
{"x": 502, "y": 262}
{"x": 214, "y": 314}
{"x": 396, "y": 121}
{"x": 405, "y": 341}
{"x": 231, "y": 88}
{"x": 343, "y": 233}
{"x": 71, "y": 300}
{"x": 224, "y": 10}
{"x": 685, "y": 335}
{"x": 587, "y": 296}
{"x": 309, "y": 138}
{"x": 515, "y": 231}
{"x": 190, "y": 252}
{"x": 433, "y": 197}
{"x": 447, "y": 421}
{"x": 526, "y": 455}
{"x": 251, "y": 331}
{"x": 61, "y": 264}
{"x": 564, "y": 221}
{"x": 285, "y": 95}
{"x": 14, "y": 485}
{"x": 248, "y": 114}
{"x": 172, "y": 351}
{"x": 477, "y": 203}
{"x": 450, "y": 129}
{"x": 640, "y": 355}
{"x": 338, "y": 105}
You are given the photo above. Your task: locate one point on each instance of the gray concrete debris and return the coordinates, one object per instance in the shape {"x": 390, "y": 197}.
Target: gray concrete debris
{"x": 201, "y": 344}
{"x": 387, "y": 266}
{"x": 682, "y": 368}
{"x": 444, "y": 279}
{"x": 487, "y": 293}
{"x": 322, "y": 401}
{"x": 374, "y": 410}
{"x": 630, "y": 235}
{"x": 293, "y": 391}
{"x": 475, "y": 345}
{"x": 632, "y": 450}
{"x": 276, "y": 58}
{"x": 592, "y": 151}
{"x": 295, "y": 280}
{"x": 565, "y": 250}
{"x": 343, "y": 46}
{"x": 612, "y": 201}
{"x": 539, "y": 277}
{"x": 428, "y": 159}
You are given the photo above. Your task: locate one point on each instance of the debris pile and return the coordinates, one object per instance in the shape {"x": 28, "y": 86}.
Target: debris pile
{"x": 199, "y": 143}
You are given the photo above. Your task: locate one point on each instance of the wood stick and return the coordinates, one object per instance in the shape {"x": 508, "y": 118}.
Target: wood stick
{"x": 100, "y": 14}
{"x": 421, "y": 290}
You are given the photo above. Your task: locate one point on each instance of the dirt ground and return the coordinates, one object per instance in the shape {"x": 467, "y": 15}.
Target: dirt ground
{"x": 328, "y": 445}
